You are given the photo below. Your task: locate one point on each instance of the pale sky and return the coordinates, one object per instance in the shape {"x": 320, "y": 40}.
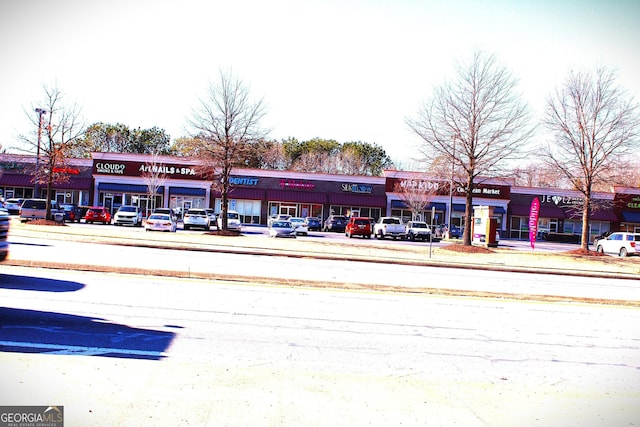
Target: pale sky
{"x": 346, "y": 70}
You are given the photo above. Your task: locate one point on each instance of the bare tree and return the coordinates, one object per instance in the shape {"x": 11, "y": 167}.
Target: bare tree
{"x": 477, "y": 123}
{"x": 594, "y": 123}
{"x": 154, "y": 176}
{"x": 54, "y": 141}
{"x": 416, "y": 194}
{"x": 225, "y": 124}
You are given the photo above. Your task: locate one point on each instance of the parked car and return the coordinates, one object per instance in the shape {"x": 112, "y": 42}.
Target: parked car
{"x": 277, "y": 217}
{"x": 313, "y": 223}
{"x": 623, "y": 244}
{"x": 282, "y": 229}
{"x": 72, "y": 213}
{"x": 197, "y": 218}
{"x": 166, "y": 211}
{"x": 358, "y": 226}
{"x": 389, "y": 226}
{"x": 128, "y": 215}
{"x": 335, "y": 223}
{"x": 97, "y": 214}
{"x": 37, "y": 209}
{"x": 213, "y": 218}
{"x": 418, "y": 230}
{"x": 13, "y": 206}
{"x": 161, "y": 222}
{"x": 4, "y": 233}
{"x": 233, "y": 221}
{"x": 300, "y": 225}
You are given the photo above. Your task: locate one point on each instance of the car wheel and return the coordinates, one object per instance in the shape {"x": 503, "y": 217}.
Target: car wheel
{"x": 623, "y": 252}
{"x": 599, "y": 249}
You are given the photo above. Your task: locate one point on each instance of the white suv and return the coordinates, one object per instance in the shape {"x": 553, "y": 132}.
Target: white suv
{"x": 233, "y": 221}
{"x": 622, "y": 244}
{"x": 130, "y": 215}
{"x": 196, "y": 218}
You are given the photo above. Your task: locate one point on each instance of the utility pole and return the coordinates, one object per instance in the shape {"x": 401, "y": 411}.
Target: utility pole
{"x": 40, "y": 112}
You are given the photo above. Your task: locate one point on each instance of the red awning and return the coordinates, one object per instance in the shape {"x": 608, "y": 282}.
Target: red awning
{"x": 296, "y": 196}
{"x": 362, "y": 200}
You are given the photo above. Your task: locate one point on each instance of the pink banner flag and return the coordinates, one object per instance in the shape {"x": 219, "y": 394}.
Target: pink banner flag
{"x": 533, "y": 221}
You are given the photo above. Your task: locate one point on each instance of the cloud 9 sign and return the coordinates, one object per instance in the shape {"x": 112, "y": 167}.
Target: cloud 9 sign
{"x": 139, "y": 169}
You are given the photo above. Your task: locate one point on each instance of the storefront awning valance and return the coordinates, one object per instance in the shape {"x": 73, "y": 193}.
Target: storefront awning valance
{"x": 16, "y": 180}
{"x": 546, "y": 211}
{"x": 459, "y": 208}
{"x": 246, "y": 193}
{"x": 187, "y": 191}
{"x": 296, "y": 196}
{"x": 126, "y": 188}
{"x": 74, "y": 184}
{"x": 631, "y": 216}
{"x": 361, "y": 200}
{"x": 599, "y": 215}
{"x": 399, "y": 204}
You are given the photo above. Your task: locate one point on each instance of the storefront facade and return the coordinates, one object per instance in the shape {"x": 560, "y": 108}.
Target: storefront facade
{"x": 258, "y": 194}
{"x": 17, "y": 180}
{"x": 560, "y": 212}
{"x": 627, "y": 208}
{"x": 445, "y": 202}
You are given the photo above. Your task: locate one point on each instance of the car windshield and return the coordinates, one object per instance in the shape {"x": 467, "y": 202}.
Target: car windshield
{"x": 282, "y": 224}
{"x": 160, "y": 217}
{"x": 232, "y": 215}
{"x": 127, "y": 209}
{"x": 419, "y": 225}
{"x": 96, "y": 210}
{"x": 361, "y": 221}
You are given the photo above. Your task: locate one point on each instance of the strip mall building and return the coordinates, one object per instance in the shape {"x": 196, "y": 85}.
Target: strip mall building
{"x": 112, "y": 180}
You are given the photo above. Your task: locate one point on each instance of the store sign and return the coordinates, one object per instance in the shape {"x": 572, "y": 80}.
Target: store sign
{"x": 109, "y": 168}
{"x": 241, "y": 180}
{"x": 419, "y": 185}
{"x": 139, "y": 169}
{"x": 68, "y": 171}
{"x": 634, "y": 203}
{"x": 357, "y": 188}
{"x": 166, "y": 170}
{"x": 561, "y": 200}
{"x": 294, "y": 183}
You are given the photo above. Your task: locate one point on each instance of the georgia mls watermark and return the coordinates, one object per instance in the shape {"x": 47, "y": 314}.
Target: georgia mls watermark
{"x": 31, "y": 416}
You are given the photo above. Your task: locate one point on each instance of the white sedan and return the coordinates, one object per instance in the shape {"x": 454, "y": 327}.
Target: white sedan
{"x": 282, "y": 229}
{"x": 300, "y": 225}
{"x": 161, "y": 222}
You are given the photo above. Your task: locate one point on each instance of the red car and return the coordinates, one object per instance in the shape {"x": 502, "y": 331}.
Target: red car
{"x": 97, "y": 214}
{"x": 358, "y": 226}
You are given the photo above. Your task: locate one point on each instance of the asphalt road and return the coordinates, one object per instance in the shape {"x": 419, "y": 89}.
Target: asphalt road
{"x": 128, "y": 350}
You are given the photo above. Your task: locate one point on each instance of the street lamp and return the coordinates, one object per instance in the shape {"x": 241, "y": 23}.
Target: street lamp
{"x": 41, "y": 112}
{"x": 453, "y": 159}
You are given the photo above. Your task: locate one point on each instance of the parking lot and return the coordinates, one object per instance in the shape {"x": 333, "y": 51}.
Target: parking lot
{"x": 261, "y": 231}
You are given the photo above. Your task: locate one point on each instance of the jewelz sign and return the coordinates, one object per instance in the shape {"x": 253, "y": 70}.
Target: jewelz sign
{"x": 31, "y": 416}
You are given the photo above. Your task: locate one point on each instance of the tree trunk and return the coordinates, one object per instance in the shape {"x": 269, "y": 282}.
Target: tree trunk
{"x": 468, "y": 213}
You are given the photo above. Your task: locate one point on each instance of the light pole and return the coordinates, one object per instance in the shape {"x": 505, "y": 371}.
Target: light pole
{"x": 41, "y": 112}
{"x": 453, "y": 159}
